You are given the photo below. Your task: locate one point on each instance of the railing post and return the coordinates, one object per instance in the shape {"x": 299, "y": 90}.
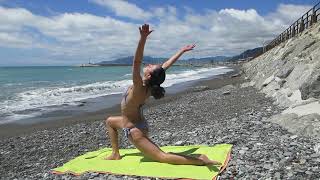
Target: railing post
{"x": 293, "y": 31}
{"x": 290, "y": 30}
{"x": 306, "y": 23}
{"x": 301, "y": 25}
{"x": 313, "y": 17}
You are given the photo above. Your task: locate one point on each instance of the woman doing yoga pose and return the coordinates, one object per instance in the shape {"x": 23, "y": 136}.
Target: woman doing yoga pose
{"x": 132, "y": 121}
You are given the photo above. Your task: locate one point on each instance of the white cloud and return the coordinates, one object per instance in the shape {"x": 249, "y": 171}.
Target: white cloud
{"x": 289, "y": 11}
{"x": 124, "y": 8}
{"x": 77, "y": 37}
{"x": 250, "y": 15}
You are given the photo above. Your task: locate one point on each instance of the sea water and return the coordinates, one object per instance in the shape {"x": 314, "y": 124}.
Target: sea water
{"x": 27, "y": 92}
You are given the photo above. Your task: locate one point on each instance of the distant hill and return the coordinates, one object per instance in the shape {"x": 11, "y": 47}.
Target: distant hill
{"x": 209, "y": 59}
{"x": 128, "y": 61}
{"x": 158, "y": 60}
{"x": 248, "y": 53}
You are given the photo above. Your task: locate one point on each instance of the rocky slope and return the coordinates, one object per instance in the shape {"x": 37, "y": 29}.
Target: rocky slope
{"x": 290, "y": 73}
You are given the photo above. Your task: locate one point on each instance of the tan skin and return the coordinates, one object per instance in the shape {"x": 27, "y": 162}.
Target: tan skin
{"x": 137, "y": 95}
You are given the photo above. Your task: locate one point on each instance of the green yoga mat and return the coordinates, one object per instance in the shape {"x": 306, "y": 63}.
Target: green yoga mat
{"x": 134, "y": 163}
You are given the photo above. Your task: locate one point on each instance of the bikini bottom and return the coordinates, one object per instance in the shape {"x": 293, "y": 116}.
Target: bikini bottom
{"x": 140, "y": 125}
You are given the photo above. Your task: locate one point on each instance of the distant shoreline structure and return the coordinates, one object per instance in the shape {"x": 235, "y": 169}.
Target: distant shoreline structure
{"x": 101, "y": 65}
{"x": 88, "y": 65}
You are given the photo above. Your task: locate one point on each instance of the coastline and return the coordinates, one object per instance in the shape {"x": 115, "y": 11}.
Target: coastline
{"x": 222, "y": 112}
{"x": 16, "y": 129}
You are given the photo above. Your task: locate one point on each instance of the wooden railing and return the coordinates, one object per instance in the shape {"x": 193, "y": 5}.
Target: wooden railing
{"x": 307, "y": 20}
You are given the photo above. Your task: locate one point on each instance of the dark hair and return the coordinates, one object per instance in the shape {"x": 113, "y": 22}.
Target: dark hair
{"x": 157, "y": 78}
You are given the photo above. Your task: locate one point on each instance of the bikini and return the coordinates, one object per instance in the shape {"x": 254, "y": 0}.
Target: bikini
{"x": 140, "y": 125}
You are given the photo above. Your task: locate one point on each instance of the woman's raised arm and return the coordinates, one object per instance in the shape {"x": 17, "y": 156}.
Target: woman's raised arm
{"x": 175, "y": 57}
{"x": 144, "y": 32}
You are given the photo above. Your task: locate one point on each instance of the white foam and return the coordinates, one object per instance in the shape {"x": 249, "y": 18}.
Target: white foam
{"x": 15, "y": 117}
{"x": 54, "y": 96}
{"x": 190, "y": 75}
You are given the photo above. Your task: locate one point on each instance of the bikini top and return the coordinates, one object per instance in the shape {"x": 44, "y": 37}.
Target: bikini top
{"x": 125, "y": 95}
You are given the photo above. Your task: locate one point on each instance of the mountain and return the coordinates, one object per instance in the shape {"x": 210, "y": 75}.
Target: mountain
{"x": 251, "y": 53}
{"x": 209, "y": 59}
{"x": 128, "y": 61}
{"x": 159, "y": 60}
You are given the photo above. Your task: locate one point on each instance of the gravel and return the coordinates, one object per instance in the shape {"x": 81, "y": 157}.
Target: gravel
{"x": 261, "y": 149}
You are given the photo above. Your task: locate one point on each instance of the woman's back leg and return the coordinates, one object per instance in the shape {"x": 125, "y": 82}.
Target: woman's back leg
{"x": 149, "y": 149}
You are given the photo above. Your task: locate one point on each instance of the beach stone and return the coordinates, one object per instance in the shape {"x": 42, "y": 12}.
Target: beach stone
{"x": 293, "y": 137}
{"x": 206, "y": 117}
{"x": 308, "y": 172}
{"x": 235, "y": 75}
{"x": 93, "y": 175}
{"x": 317, "y": 148}
{"x": 200, "y": 88}
{"x": 277, "y": 175}
{"x": 287, "y": 154}
{"x": 267, "y": 81}
{"x": 303, "y": 161}
{"x": 289, "y": 174}
{"x": 311, "y": 88}
{"x": 267, "y": 166}
{"x": 179, "y": 143}
{"x": 315, "y": 155}
{"x": 284, "y": 72}
{"x": 226, "y": 93}
{"x": 229, "y": 87}
{"x": 246, "y": 84}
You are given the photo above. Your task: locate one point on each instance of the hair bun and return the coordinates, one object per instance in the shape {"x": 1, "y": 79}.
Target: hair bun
{"x": 157, "y": 91}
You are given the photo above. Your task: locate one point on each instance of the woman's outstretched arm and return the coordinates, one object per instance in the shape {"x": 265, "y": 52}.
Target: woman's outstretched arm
{"x": 144, "y": 32}
{"x": 175, "y": 57}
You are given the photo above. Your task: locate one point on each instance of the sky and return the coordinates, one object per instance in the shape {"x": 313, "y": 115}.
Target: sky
{"x": 60, "y": 32}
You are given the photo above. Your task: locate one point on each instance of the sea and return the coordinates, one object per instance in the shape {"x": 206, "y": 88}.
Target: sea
{"x": 34, "y": 93}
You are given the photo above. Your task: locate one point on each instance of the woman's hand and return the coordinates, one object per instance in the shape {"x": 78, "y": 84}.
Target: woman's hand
{"x": 145, "y": 31}
{"x": 188, "y": 48}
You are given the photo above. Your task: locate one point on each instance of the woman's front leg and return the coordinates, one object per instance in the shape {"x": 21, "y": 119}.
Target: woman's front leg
{"x": 112, "y": 124}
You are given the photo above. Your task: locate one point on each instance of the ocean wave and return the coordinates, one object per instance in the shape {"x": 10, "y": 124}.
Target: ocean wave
{"x": 53, "y": 96}
{"x": 45, "y": 97}
{"x": 190, "y": 75}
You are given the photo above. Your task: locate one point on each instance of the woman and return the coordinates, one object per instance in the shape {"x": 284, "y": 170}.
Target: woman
{"x": 132, "y": 121}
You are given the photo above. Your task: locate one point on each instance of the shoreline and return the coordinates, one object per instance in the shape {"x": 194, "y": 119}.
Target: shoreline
{"x": 224, "y": 112}
{"x": 16, "y": 129}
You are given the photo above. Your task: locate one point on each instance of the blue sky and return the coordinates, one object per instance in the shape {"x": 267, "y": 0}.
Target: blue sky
{"x": 60, "y": 32}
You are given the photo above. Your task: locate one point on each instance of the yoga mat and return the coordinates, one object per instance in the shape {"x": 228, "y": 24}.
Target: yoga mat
{"x": 134, "y": 163}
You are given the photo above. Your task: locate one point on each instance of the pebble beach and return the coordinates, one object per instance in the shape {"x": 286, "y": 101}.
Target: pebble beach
{"x": 211, "y": 112}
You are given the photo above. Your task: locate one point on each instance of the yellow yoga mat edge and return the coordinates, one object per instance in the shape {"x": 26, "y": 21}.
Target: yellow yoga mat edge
{"x": 222, "y": 168}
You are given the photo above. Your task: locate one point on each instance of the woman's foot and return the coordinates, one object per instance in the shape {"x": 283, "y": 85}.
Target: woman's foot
{"x": 207, "y": 161}
{"x": 113, "y": 156}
